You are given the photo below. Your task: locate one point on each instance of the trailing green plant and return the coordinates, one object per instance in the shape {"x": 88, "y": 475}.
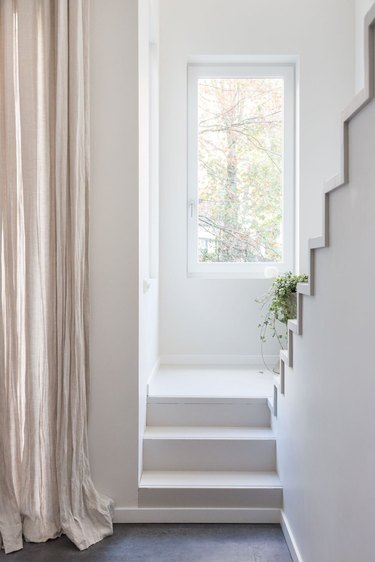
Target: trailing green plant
{"x": 279, "y": 306}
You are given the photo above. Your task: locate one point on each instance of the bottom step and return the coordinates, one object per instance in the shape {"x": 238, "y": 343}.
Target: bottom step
{"x": 210, "y": 489}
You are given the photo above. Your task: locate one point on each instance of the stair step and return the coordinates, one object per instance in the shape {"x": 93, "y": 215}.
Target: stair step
{"x": 208, "y": 432}
{"x": 171, "y": 451}
{"x": 210, "y": 489}
{"x": 210, "y": 382}
{"x": 202, "y": 399}
{"x": 209, "y": 479}
{"x": 182, "y": 411}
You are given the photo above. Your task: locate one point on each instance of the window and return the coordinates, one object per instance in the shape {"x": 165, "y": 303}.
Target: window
{"x": 240, "y": 169}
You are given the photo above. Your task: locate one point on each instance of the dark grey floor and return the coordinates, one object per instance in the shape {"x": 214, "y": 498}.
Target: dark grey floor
{"x": 169, "y": 543}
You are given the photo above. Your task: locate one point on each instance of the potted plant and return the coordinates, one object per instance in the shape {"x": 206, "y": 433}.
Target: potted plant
{"x": 279, "y": 305}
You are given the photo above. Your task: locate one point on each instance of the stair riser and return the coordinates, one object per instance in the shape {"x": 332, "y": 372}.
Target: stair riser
{"x": 192, "y": 454}
{"x": 258, "y": 498}
{"x": 238, "y": 415}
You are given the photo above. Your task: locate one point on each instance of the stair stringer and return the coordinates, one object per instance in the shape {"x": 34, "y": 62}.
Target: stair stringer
{"x": 295, "y": 326}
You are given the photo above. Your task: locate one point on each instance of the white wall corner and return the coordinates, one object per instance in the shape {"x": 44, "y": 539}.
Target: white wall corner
{"x": 153, "y": 372}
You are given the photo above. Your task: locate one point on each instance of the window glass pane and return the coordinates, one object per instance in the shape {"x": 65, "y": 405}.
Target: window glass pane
{"x": 240, "y": 177}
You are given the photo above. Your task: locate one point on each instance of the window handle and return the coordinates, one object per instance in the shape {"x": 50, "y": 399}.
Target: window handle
{"x": 191, "y": 208}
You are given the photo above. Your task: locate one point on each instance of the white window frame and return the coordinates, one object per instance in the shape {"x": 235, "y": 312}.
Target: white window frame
{"x": 254, "y": 269}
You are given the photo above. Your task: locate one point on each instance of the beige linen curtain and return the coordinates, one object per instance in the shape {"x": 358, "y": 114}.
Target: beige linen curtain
{"x": 45, "y": 483}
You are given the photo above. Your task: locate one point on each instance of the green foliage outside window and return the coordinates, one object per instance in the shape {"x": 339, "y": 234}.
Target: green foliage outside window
{"x": 240, "y": 176}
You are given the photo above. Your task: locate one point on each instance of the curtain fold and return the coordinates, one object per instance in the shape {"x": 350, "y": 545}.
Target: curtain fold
{"x": 45, "y": 483}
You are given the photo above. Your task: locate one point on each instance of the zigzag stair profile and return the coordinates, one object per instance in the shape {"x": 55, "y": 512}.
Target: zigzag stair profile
{"x": 295, "y": 326}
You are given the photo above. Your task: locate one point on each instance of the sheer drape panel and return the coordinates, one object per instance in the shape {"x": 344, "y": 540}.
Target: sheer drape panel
{"x": 45, "y": 483}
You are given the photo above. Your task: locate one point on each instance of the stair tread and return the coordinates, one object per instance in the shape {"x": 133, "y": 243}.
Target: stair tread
{"x": 199, "y": 381}
{"x": 211, "y": 432}
{"x": 205, "y": 399}
{"x": 209, "y": 479}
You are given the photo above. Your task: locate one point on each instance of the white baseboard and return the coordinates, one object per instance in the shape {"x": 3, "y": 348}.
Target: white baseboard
{"x": 290, "y": 539}
{"x": 196, "y": 515}
{"x": 218, "y": 360}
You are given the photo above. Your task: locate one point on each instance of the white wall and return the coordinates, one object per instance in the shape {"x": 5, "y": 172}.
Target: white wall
{"x": 148, "y": 203}
{"x": 326, "y": 430}
{"x": 361, "y": 8}
{"x": 113, "y": 423}
{"x": 201, "y": 316}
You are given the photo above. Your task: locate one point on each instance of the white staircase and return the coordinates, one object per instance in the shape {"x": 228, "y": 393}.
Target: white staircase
{"x": 207, "y": 450}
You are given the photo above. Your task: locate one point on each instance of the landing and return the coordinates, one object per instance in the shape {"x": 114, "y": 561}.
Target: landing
{"x": 214, "y": 382}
